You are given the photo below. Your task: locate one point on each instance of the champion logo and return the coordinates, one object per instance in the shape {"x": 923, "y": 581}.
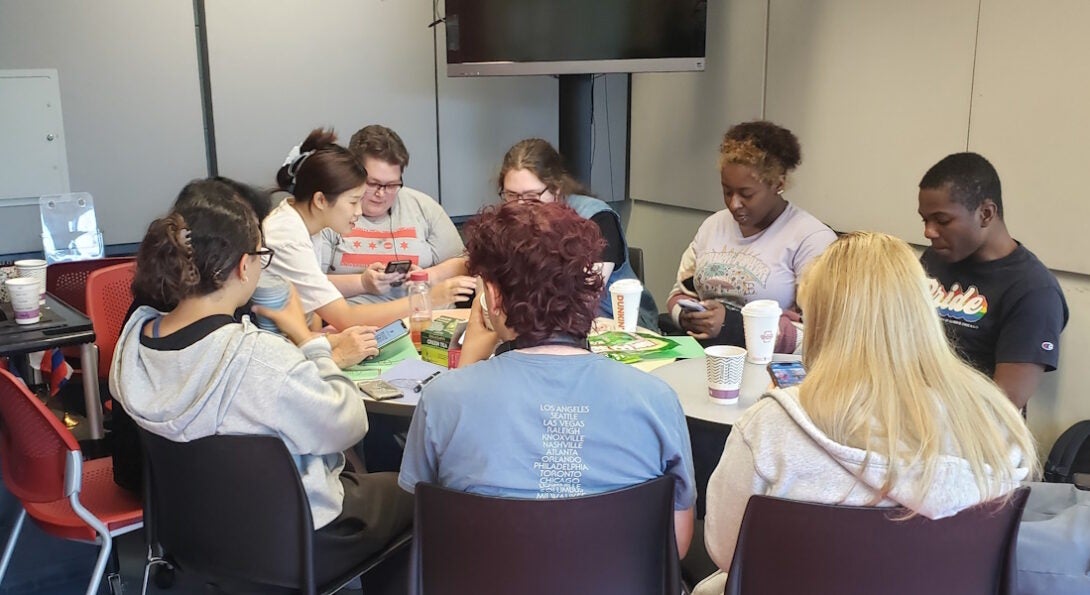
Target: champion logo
{"x": 1048, "y": 346}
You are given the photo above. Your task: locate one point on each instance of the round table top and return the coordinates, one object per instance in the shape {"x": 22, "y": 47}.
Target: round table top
{"x": 688, "y": 378}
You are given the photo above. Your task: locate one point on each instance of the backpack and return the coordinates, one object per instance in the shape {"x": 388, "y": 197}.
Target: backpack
{"x": 1070, "y": 454}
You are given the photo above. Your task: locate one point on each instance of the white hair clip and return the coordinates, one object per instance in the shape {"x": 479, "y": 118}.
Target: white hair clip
{"x": 293, "y": 154}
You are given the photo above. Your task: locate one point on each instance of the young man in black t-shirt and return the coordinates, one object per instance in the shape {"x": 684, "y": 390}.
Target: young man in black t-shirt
{"x": 1002, "y": 308}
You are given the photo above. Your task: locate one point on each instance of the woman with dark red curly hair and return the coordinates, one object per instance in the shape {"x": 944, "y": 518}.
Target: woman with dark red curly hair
{"x": 545, "y": 417}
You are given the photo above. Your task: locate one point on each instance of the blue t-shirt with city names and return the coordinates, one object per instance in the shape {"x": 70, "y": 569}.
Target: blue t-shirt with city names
{"x": 542, "y": 426}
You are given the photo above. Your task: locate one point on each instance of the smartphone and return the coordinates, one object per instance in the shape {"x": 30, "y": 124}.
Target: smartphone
{"x": 379, "y": 390}
{"x": 691, "y": 305}
{"x": 785, "y": 374}
{"x": 390, "y": 333}
{"x": 398, "y": 266}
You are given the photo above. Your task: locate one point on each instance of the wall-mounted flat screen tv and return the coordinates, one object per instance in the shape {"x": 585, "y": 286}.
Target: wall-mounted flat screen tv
{"x": 527, "y": 37}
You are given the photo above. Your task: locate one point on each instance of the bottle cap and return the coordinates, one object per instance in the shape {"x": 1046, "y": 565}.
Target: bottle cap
{"x": 418, "y": 276}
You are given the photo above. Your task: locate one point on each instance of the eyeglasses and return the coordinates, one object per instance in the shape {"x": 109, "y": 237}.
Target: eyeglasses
{"x": 509, "y": 196}
{"x": 374, "y": 187}
{"x": 266, "y": 255}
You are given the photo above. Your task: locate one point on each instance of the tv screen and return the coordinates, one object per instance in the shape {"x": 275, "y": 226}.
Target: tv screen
{"x": 507, "y": 37}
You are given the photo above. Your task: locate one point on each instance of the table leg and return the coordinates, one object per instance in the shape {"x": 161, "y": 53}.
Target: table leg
{"x": 88, "y": 361}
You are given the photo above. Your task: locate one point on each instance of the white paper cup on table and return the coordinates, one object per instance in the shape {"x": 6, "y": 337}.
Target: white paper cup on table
{"x": 761, "y": 322}
{"x": 24, "y": 299}
{"x": 725, "y": 364}
{"x": 626, "y": 295}
{"x": 34, "y": 269}
{"x": 272, "y": 292}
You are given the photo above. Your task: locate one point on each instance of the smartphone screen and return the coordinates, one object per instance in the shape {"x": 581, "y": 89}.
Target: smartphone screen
{"x": 390, "y": 333}
{"x": 786, "y": 374}
{"x": 398, "y": 266}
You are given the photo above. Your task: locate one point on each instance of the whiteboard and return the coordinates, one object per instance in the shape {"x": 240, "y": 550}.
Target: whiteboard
{"x": 32, "y": 151}
{"x": 678, "y": 119}
{"x": 280, "y": 68}
{"x": 877, "y": 92}
{"x": 1030, "y": 119}
{"x": 133, "y": 131}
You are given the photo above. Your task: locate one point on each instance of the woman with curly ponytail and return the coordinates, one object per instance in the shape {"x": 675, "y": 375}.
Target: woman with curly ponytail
{"x": 196, "y": 371}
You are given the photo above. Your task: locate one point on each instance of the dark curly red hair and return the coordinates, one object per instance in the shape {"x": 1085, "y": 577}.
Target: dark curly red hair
{"x": 540, "y": 258}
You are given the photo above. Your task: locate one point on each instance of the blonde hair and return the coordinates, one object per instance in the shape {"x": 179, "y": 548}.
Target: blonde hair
{"x": 882, "y": 377}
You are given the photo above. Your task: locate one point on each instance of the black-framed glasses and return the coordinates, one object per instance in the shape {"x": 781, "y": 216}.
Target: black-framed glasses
{"x": 509, "y": 196}
{"x": 266, "y": 255}
{"x": 375, "y": 187}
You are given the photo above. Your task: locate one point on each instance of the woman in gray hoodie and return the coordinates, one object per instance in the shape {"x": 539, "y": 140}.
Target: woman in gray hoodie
{"x": 888, "y": 414}
{"x": 195, "y": 372}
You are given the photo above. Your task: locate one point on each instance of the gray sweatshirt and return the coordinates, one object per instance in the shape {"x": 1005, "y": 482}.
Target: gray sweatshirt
{"x": 776, "y": 450}
{"x": 241, "y": 380}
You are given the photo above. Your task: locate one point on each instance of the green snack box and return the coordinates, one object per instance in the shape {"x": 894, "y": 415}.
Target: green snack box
{"x": 439, "y": 343}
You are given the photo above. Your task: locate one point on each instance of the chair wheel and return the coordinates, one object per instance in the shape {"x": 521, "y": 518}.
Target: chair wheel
{"x": 114, "y": 581}
{"x": 164, "y": 576}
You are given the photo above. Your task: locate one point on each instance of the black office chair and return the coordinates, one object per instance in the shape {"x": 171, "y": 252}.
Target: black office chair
{"x": 233, "y": 509}
{"x": 787, "y": 547}
{"x": 618, "y": 542}
{"x": 635, "y": 260}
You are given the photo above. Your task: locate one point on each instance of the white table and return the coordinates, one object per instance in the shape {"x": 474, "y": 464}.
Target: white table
{"x": 688, "y": 378}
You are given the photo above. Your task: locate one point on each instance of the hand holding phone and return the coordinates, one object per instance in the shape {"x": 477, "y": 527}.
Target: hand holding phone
{"x": 390, "y": 333}
{"x": 691, "y": 305}
{"x": 785, "y": 374}
{"x": 400, "y": 267}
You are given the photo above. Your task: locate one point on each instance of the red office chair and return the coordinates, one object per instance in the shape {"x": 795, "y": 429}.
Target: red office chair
{"x": 67, "y": 281}
{"x": 109, "y": 295}
{"x": 67, "y": 497}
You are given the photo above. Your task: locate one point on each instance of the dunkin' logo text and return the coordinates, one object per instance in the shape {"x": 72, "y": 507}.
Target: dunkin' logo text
{"x": 968, "y": 305}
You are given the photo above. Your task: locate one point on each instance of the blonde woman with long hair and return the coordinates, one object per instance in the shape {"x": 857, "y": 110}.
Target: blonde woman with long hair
{"x": 888, "y": 415}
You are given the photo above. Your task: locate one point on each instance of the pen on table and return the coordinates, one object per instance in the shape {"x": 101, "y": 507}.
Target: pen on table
{"x": 421, "y": 384}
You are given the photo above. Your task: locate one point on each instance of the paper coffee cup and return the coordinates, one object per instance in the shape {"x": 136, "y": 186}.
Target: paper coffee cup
{"x": 761, "y": 322}
{"x": 626, "y": 295}
{"x": 725, "y": 364}
{"x": 24, "y": 299}
{"x": 34, "y": 269}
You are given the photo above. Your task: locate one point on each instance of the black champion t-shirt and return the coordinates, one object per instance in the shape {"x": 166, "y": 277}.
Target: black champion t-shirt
{"x": 1009, "y": 310}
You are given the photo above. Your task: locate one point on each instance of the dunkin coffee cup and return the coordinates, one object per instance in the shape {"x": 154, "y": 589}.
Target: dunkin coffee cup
{"x": 272, "y": 292}
{"x": 761, "y": 321}
{"x": 24, "y": 299}
{"x": 626, "y": 295}
{"x": 725, "y": 364}
{"x": 35, "y": 269}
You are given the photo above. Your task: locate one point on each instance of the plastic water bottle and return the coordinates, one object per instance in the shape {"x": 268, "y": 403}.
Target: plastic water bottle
{"x": 419, "y": 305}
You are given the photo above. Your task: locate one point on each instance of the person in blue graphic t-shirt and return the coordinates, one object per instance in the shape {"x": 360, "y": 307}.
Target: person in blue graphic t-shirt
{"x": 1002, "y": 308}
{"x": 544, "y": 418}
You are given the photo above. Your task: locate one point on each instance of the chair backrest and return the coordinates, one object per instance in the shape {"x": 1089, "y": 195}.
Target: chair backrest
{"x": 109, "y": 295}
{"x": 34, "y": 445}
{"x": 797, "y": 547}
{"x": 67, "y": 280}
{"x": 635, "y": 260}
{"x": 229, "y": 507}
{"x": 618, "y": 542}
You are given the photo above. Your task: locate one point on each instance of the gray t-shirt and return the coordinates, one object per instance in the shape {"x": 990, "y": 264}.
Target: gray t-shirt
{"x": 417, "y": 229}
{"x": 734, "y": 269}
{"x": 541, "y": 426}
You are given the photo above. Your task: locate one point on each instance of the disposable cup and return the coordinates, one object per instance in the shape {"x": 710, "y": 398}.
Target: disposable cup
{"x": 725, "y": 364}
{"x": 761, "y": 322}
{"x": 272, "y": 292}
{"x": 626, "y": 295}
{"x": 24, "y": 299}
{"x": 35, "y": 269}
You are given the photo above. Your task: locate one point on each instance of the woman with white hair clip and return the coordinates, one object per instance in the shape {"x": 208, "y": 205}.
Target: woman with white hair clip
{"x": 888, "y": 415}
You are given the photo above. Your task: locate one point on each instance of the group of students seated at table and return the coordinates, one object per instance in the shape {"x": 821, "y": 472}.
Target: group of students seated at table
{"x": 893, "y": 412}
